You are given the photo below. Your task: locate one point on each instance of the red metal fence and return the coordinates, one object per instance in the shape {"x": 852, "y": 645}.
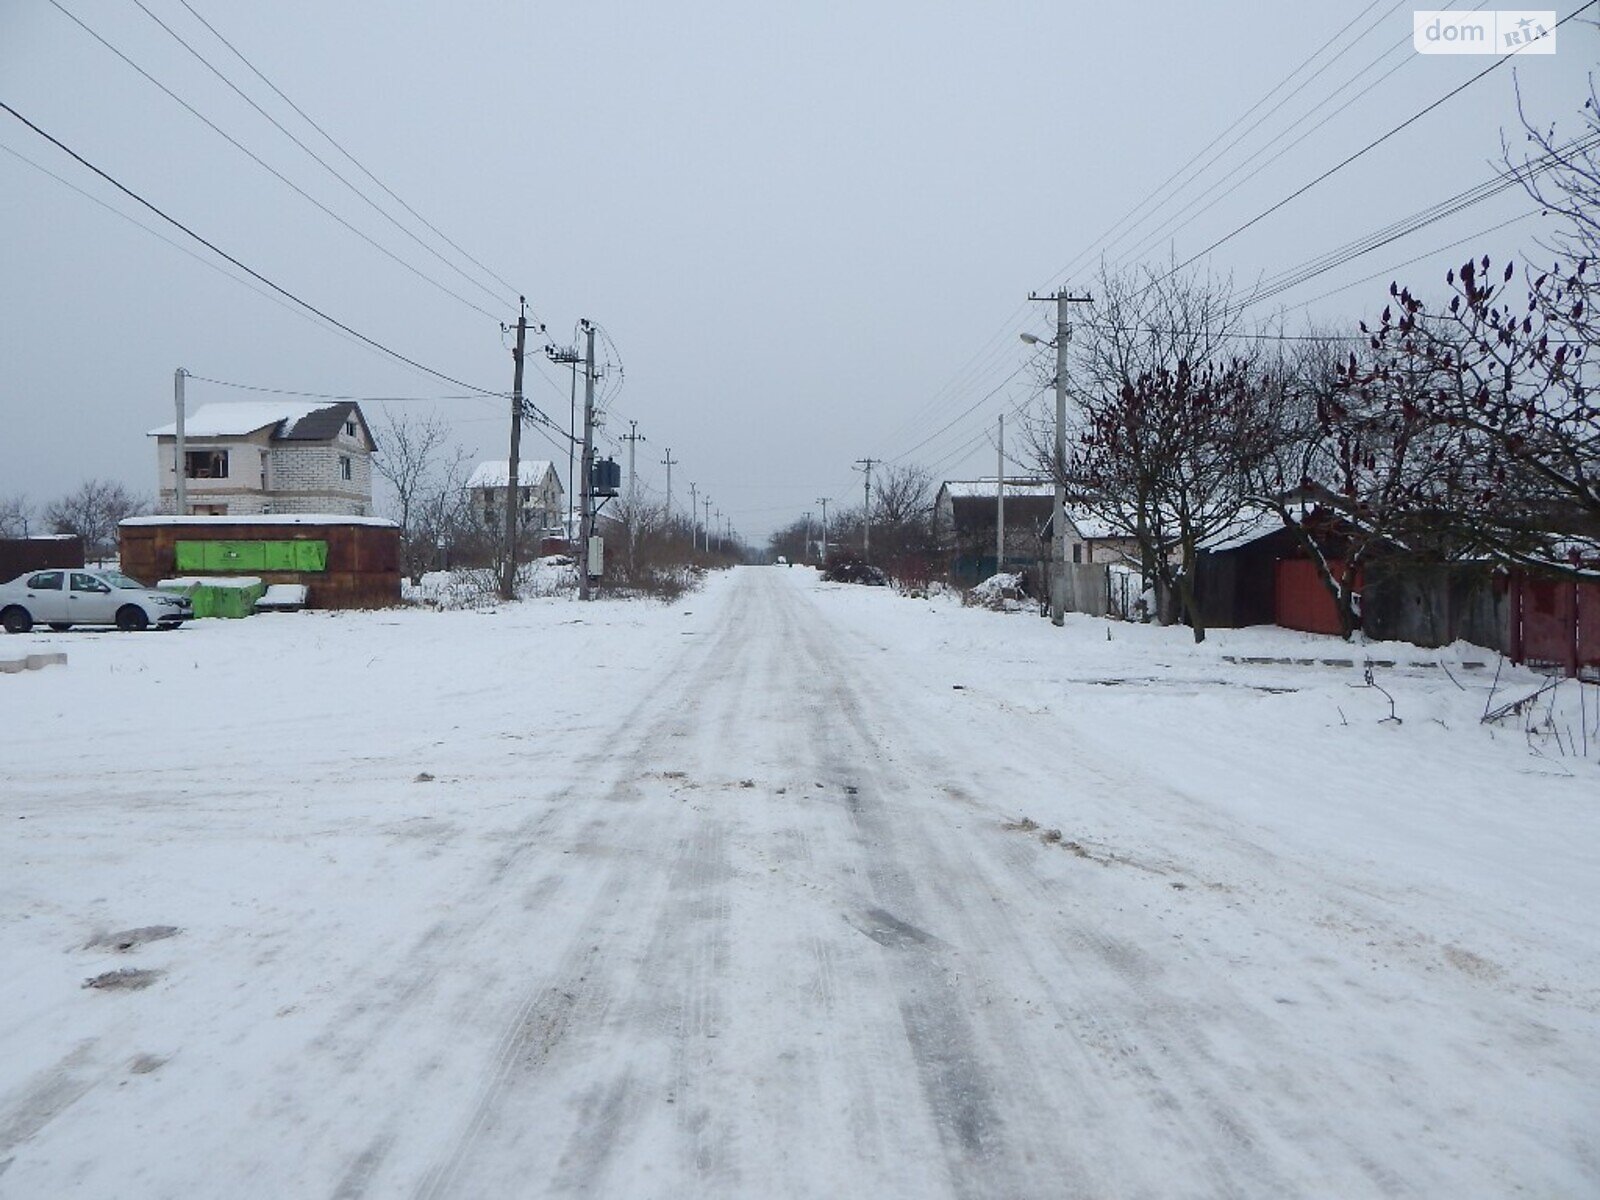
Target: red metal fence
{"x": 1555, "y": 623}
{"x": 1302, "y": 600}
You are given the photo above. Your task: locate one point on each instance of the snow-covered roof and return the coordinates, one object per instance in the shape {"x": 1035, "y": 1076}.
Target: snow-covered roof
{"x": 1094, "y": 528}
{"x": 241, "y": 419}
{"x": 266, "y": 519}
{"x": 1250, "y": 524}
{"x": 493, "y": 474}
{"x": 967, "y": 489}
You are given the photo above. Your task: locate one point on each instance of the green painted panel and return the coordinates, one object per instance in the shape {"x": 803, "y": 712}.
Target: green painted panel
{"x": 279, "y": 556}
{"x": 242, "y": 556}
{"x": 310, "y": 556}
{"x": 235, "y": 557}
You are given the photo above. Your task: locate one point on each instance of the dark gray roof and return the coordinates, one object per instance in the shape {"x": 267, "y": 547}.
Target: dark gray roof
{"x": 320, "y": 424}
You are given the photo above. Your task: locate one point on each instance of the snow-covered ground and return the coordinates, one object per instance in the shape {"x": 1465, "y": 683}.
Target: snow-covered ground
{"x": 788, "y": 889}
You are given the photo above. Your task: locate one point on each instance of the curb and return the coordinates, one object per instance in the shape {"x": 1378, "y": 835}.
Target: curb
{"x": 33, "y": 662}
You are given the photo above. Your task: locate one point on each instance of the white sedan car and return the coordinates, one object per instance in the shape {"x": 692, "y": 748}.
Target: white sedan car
{"x": 64, "y": 598}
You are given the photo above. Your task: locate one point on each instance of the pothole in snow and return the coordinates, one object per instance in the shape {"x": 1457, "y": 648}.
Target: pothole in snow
{"x": 127, "y": 939}
{"x": 128, "y": 979}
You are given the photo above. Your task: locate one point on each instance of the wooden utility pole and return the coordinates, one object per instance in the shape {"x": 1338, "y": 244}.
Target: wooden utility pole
{"x": 586, "y": 521}
{"x": 508, "y": 575}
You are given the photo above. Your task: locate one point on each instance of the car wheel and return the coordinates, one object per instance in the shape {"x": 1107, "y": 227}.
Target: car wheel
{"x": 60, "y": 626}
{"x": 131, "y": 617}
{"x": 16, "y": 620}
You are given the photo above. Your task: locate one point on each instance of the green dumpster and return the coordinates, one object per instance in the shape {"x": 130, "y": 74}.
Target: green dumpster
{"x": 218, "y": 596}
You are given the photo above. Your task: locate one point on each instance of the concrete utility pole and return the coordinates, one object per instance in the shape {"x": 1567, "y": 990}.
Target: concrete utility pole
{"x": 694, "y": 519}
{"x": 179, "y": 466}
{"x": 1000, "y": 502}
{"x": 823, "y": 500}
{"x": 805, "y": 550}
{"x": 633, "y": 437}
{"x": 570, "y": 357}
{"x": 668, "y": 462}
{"x": 866, "y": 465}
{"x": 586, "y": 521}
{"x": 706, "y": 504}
{"x": 508, "y": 576}
{"x": 1058, "y": 589}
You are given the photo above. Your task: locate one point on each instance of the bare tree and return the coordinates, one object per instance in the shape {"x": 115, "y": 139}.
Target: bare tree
{"x": 16, "y": 516}
{"x": 1167, "y": 421}
{"x": 1513, "y": 387}
{"x": 93, "y": 512}
{"x": 410, "y": 459}
{"x": 1563, "y": 176}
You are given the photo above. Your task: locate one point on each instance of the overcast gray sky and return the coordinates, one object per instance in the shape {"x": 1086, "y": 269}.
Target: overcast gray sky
{"x": 809, "y": 229}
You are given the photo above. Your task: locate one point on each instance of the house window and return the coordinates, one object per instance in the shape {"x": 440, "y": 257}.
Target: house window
{"x": 350, "y": 427}
{"x": 205, "y": 464}
{"x": 344, "y": 466}
{"x": 1077, "y": 552}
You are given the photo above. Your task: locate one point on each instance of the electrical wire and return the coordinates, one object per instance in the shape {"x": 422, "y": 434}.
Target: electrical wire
{"x": 1358, "y": 154}
{"x": 252, "y": 272}
{"x": 981, "y": 360}
{"x": 271, "y": 170}
{"x": 340, "y": 148}
{"x": 274, "y": 391}
{"x": 373, "y": 204}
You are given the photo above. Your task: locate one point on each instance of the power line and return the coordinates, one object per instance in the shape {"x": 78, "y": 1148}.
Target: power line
{"x": 980, "y": 361}
{"x": 1348, "y": 159}
{"x": 271, "y": 170}
{"x": 1220, "y": 154}
{"x": 253, "y": 387}
{"x": 488, "y": 291}
{"x": 336, "y": 145}
{"x": 252, "y": 272}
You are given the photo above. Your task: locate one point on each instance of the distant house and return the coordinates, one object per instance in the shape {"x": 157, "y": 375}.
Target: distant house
{"x": 1092, "y": 540}
{"x": 541, "y": 504}
{"x": 965, "y": 515}
{"x": 259, "y": 457}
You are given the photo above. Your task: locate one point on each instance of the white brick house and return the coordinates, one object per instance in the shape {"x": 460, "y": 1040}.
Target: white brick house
{"x": 541, "y": 501}
{"x": 242, "y": 459}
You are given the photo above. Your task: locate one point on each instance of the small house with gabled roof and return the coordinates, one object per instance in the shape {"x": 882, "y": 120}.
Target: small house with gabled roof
{"x": 269, "y": 457}
{"x": 540, "y": 498}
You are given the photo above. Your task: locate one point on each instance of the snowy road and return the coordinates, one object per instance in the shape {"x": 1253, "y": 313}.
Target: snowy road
{"x": 756, "y": 914}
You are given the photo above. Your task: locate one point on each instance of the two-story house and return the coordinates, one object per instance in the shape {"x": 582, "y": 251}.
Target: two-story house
{"x": 540, "y": 504}
{"x": 269, "y": 457}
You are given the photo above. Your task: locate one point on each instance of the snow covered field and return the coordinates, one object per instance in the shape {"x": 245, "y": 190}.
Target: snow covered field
{"x": 788, "y": 889}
